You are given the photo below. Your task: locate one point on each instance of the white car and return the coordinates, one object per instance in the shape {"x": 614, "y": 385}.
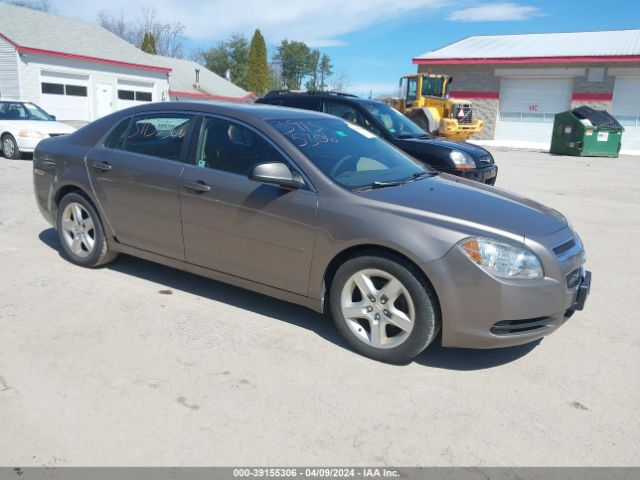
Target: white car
{"x": 23, "y": 125}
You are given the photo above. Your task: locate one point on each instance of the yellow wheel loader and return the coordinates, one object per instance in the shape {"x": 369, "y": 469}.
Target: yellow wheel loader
{"x": 424, "y": 98}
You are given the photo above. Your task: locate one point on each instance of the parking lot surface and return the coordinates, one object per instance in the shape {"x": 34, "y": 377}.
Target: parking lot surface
{"x": 139, "y": 364}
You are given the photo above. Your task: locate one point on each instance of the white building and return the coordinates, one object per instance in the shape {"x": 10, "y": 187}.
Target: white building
{"x": 519, "y": 82}
{"x": 80, "y": 71}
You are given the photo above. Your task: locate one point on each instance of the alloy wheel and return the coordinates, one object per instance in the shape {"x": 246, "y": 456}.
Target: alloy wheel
{"x": 378, "y": 308}
{"x": 78, "y": 230}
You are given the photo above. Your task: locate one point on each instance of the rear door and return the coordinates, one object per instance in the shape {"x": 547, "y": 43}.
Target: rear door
{"x": 256, "y": 231}
{"x": 136, "y": 178}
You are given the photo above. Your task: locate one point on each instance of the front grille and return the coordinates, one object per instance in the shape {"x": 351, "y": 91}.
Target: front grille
{"x": 463, "y": 113}
{"x": 565, "y": 247}
{"x": 485, "y": 159}
{"x": 510, "y": 327}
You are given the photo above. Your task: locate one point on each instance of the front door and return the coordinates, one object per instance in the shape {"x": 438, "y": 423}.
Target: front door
{"x": 136, "y": 177}
{"x": 104, "y": 99}
{"x": 231, "y": 224}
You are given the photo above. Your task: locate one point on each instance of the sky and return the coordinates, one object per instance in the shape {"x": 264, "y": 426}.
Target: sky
{"x": 372, "y": 41}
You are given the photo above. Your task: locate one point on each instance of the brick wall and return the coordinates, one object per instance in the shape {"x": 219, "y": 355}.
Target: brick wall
{"x": 480, "y": 84}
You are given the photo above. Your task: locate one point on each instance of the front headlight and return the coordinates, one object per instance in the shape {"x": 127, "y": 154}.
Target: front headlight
{"x": 32, "y": 134}
{"x": 502, "y": 259}
{"x": 461, "y": 160}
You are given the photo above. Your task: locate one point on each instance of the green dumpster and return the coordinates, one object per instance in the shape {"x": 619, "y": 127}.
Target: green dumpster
{"x": 586, "y": 132}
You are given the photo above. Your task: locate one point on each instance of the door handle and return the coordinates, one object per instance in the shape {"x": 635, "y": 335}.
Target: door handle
{"x": 198, "y": 186}
{"x": 102, "y": 166}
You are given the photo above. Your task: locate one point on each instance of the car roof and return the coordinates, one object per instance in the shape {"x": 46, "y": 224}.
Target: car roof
{"x": 343, "y": 97}
{"x": 260, "y": 111}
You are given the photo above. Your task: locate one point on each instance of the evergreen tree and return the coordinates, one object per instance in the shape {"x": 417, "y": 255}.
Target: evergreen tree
{"x": 149, "y": 44}
{"x": 152, "y": 44}
{"x": 257, "y": 77}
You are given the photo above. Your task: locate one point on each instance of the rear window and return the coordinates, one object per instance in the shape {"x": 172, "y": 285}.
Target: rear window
{"x": 117, "y": 135}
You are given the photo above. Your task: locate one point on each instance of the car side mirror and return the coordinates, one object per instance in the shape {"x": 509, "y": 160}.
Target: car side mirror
{"x": 278, "y": 173}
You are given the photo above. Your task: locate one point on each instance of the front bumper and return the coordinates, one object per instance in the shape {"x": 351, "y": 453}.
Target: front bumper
{"x": 28, "y": 144}
{"x": 481, "y": 311}
{"x": 487, "y": 175}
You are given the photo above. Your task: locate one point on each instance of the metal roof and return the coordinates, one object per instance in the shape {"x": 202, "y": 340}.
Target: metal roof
{"x": 608, "y": 44}
{"x": 37, "y": 32}
{"x": 182, "y": 81}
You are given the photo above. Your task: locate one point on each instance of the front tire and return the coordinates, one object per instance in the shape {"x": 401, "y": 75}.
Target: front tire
{"x": 10, "y": 147}
{"x": 81, "y": 233}
{"x": 384, "y": 308}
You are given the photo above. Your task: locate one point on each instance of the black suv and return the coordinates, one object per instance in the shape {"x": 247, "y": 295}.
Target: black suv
{"x": 458, "y": 158}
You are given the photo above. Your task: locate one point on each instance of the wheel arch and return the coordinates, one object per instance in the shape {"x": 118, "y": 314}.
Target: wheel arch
{"x": 428, "y": 115}
{"x": 64, "y": 190}
{"x": 370, "y": 249}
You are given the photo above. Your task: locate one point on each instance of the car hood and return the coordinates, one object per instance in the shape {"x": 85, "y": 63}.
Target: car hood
{"x": 38, "y": 125}
{"x": 464, "y": 201}
{"x": 430, "y": 143}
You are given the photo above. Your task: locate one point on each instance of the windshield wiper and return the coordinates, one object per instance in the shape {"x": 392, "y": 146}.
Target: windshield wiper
{"x": 419, "y": 175}
{"x": 376, "y": 185}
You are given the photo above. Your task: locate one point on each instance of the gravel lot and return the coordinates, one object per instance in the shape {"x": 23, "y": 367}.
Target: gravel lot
{"x": 138, "y": 364}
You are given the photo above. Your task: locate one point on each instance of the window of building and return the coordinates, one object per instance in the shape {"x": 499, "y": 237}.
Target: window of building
{"x": 126, "y": 94}
{"x": 134, "y": 95}
{"x": 53, "y": 88}
{"x": 143, "y": 96}
{"x": 76, "y": 90}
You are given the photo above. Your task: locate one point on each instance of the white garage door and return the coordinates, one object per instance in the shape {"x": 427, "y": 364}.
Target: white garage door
{"x": 64, "y": 95}
{"x": 626, "y": 108}
{"x": 528, "y": 106}
{"x": 132, "y": 93}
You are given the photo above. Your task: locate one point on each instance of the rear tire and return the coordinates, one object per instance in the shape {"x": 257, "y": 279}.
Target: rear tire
{"x": 10, "y": 147}
{"x": 81, "y": 233}
{"x": 384, "y": 308}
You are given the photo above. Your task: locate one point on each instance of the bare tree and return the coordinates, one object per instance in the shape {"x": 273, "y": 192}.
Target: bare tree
{"x": 41, "y": 5}
{"x": 340, "y": 82}
{"x": 118, "y": 25}
{"x": 169, "y": 36}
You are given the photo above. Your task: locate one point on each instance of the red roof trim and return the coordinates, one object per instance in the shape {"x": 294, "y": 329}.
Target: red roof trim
{"x": 51, "y": 53}
{"x": 516, "y": 60}
{"x": 478, "y": 95}
{"x": 205, "y": 96}
{"x": 591, "y": 97}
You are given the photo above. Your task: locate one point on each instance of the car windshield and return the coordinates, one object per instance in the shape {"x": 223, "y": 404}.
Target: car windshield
{"x": 22, "y": 111}
{"x": 394, "y": 122}
{"x": 350, "y": 155}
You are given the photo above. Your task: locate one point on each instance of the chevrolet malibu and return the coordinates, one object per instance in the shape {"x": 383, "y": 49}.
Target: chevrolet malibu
{"x": 314, "y": 210}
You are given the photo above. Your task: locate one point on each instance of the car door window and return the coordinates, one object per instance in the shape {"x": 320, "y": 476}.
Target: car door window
{"x": 158, "y": 135}
{"x": 116, "y": 138}
{"x": 233, "y": 148}
{"x": 303, "y": 102}
{"x": 344, "y": 111}
{"x": 350, "y": 114}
